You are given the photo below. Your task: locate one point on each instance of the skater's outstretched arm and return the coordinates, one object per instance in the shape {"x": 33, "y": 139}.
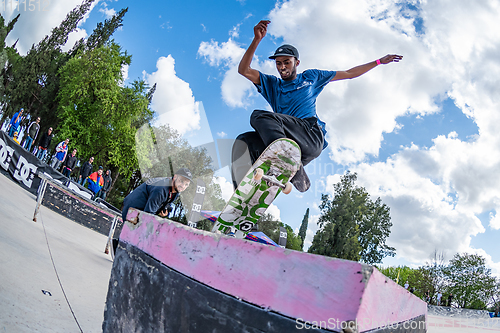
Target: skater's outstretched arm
{"x": 244, "y": 68}
{"x": 362, "y": 69}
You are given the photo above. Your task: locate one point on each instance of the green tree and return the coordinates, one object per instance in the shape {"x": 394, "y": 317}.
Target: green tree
{"x": 352, "y": 226}
{"x": 271, "y": 227}
{"x": 8, "y": 56}
{"x": 432, "y": 274}
{"x": 35, "y": 81}
{"x": 293, "y": 241}
{"x": 97, "y": 114}
{"x": 101, "y": 34}
{"x": 34, "y": 78}
{"x": 470, "y": 281}
{"x": 161, "y": 151}
{"x": 415, "y": 277}
{"x": 303, "y": 228}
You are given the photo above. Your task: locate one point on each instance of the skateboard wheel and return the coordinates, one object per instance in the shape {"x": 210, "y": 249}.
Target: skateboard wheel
{"x": 258, "y": 174}
{"x": 288, "y": 188}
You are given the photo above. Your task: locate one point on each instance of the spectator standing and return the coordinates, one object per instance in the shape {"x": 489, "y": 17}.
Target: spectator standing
{"x": 450, "y": 298}
{"x": 61, "y": 152}
{"x": 15, "y": 122}
{"x": 69, "y": 164}
{"x": 96, "y": 181}
{"x": 407, "y": 285}
{"x": 44, "y": 144}
{"x": 32, "y": 132}
{"x": 439, "y": 298}
{"x": 85, "y": 171}
{"x": 428, "y": 297}
{"x": 106, "y": 186}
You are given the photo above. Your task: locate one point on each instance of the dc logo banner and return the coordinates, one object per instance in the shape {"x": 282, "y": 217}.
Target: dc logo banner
{"x": 283, "y": 237}
{"x": 6, "y": 154}
{"x": 199, "y": 196}
{"x": 22, "y": 166}
{"x": 25, "y": 171}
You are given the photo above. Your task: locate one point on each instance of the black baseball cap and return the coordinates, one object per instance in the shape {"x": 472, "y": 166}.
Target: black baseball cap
{"x": 184, "y": 172}
{"x": 285, "y": 50}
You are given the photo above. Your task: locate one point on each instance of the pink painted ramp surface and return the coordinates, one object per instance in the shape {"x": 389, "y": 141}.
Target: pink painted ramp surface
{"x": 299, "y": 285}
{"x": 385, "y": 303}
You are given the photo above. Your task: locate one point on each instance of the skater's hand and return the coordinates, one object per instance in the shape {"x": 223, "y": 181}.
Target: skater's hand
{"x": 163, "y": 213}
{"x": 390, "y": 58}
{"x": 260, "y": 30}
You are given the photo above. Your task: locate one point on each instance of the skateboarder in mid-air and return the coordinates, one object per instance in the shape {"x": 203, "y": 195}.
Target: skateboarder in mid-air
{"x": 293, "y": 100}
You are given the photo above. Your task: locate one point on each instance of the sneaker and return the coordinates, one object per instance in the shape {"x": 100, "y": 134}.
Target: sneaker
{"x": 301, "y": 180}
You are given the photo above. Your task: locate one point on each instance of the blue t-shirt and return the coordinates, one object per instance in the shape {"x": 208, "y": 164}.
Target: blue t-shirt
{"x": 296, "y": 98}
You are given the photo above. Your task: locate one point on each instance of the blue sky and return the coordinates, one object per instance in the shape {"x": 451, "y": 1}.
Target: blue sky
{"x": 422, "y": 134}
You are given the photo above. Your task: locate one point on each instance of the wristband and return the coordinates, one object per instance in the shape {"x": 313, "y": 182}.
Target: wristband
{"x": 378, "y": 61}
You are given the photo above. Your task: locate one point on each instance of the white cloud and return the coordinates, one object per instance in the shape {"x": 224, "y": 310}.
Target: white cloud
{"x": 225, "y": 186}
{"x": 73, "y": 38}
{"x": 124, "y": 71}
{"x": 108, "y": 12}
{"x": 235, "y": 89}
{"x": 221, "y": 134}
{"x": 32, "y": 26}
{"x": 274, "y": 211}
{"x": 173, "y": 100}
{"x": 494, "y": 221}
{"x": 235, "y": 31}
{"x": 359, "y": 111}
{"x": 437, "y": 192}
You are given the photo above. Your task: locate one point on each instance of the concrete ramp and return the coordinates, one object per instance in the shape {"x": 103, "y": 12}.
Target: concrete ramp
{"x": 446, "y": 311}
{"x": 442, "y": 319}
{"x": 173, "y": 278}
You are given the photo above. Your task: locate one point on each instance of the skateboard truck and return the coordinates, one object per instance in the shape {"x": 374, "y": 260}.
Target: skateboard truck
{"x": 259, "y": 174}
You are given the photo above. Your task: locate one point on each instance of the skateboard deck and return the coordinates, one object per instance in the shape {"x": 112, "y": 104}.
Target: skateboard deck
{"x": 267, "y": 177}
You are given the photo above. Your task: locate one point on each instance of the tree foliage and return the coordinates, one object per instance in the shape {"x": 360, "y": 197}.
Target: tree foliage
{"x": 271, "y": 227}
{"x": 465, "y": 277}
{"x": 352, "y": 226}
{"x": 97, "y": 114}
{"x": 416, "y": 277}
{"x": 82, "y": 95}
{"x": 35, "y": 80}
{"x": 303, "y": 229}
{"x": 101, "y": 34}
{"x": 161, "y": 151}
{"x": 8, "y": 57}
{"x": 470, "y": 281}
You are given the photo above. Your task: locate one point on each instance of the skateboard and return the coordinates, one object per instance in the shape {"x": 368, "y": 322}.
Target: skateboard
{"x": 268, "y": 176}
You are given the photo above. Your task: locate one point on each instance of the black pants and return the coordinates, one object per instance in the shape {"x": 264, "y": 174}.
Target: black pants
{"x": 270, "y": 126}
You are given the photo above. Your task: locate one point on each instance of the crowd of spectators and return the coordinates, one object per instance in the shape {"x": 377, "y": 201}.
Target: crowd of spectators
{"x": 98, "y": 182}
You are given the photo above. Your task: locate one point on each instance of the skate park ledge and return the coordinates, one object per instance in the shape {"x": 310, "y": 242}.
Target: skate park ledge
{"x": 301, "y": 287}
